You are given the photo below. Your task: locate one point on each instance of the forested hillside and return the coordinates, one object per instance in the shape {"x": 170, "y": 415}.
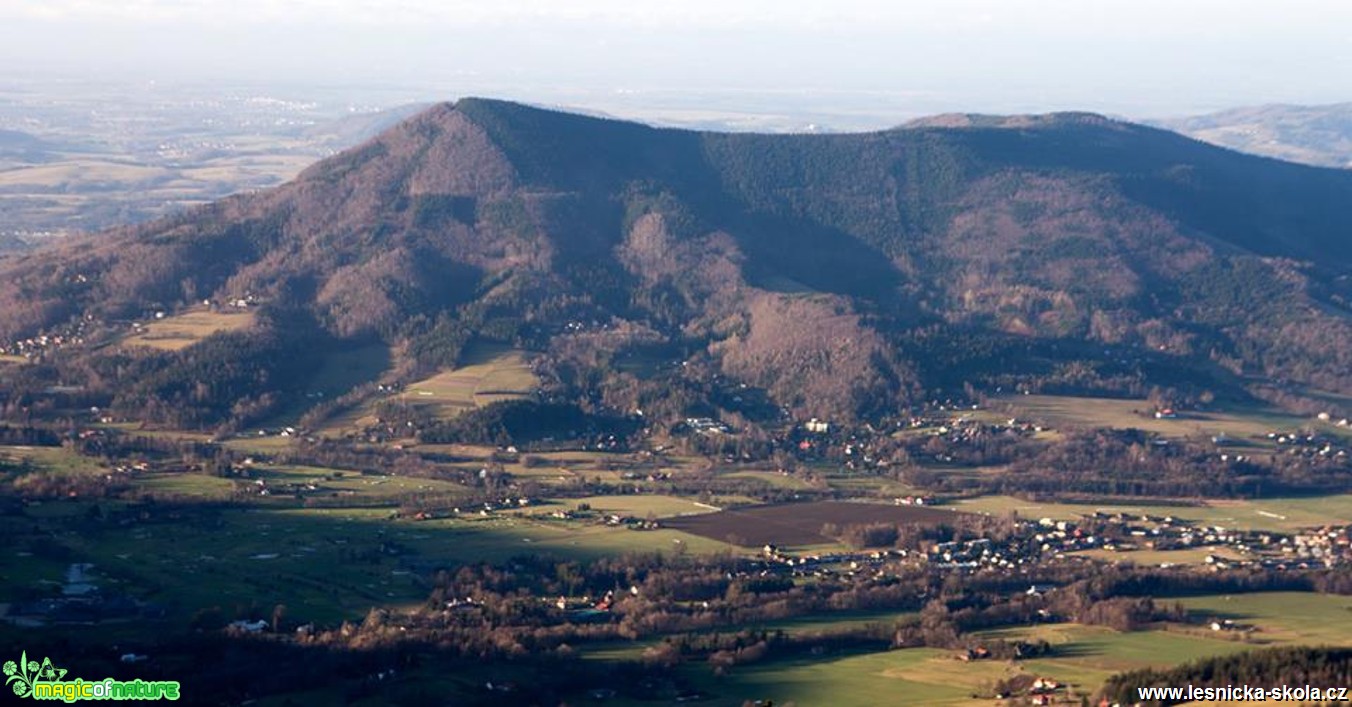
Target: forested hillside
{"x": 838, "y": 276}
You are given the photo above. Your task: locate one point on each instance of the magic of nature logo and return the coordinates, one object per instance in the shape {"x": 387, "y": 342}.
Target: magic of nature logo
{"x": 45, "y": 681}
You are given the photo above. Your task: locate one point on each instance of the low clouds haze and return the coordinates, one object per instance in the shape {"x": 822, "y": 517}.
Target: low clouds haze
{"x": 1139, "y": 57}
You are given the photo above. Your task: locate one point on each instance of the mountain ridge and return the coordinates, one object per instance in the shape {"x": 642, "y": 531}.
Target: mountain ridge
{"x": 843, "y": 275}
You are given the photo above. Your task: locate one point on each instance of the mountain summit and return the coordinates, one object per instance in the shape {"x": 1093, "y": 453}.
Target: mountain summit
{"x": 834, "y": 275}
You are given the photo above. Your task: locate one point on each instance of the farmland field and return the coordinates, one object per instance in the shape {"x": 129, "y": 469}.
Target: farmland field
{"x": 52, "y": 460}
{"x": 771, "y": 478}
{"x": 642, "y": 505}
{"x": 800, "y": 523}
{"x": 183, "y": 330}
{"x": 1246, "y": 424}
{"x": 1089, "y": 655}
{"x": 846, "y": 681}
{"x": 1084, "y": 657}
{"x": 1284, "y": 617}
{"x": 1258, "y": 514}
{"x": 494, "y": 374}
{"x": 491, "y": 373}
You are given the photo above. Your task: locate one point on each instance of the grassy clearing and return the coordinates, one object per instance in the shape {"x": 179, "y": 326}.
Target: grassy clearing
{"x": 1085, "y": 656}
{"x": 1088, "y": 655}
{"x": 313, "y": 484}
{"x": 1262, "y": 514}
{"x": 498, "y": 539}
{"x": 851, "y": 680}
{"x": 194, "y": 486}
{"x": 642, "y": 505}
{"x": 137, "y": 430}
{"x": 1247, "y": 424}
{"x": 865, "y": 485}
{"x": 1284, "y": 617}
{"x": 354, "y": 418}
{"x": 771, "y": 478}
{"x": 58, "y": 460}
{"x": 493, "y": 374}
{"x": 259, "y": 444}
{"x": 180, "y": 331}
{"x": 349, "y": 483}
{"x": 466, "y": 451}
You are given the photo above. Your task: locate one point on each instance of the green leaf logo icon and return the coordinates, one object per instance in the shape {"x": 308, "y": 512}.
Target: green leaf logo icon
{"x": 21, "y": 675}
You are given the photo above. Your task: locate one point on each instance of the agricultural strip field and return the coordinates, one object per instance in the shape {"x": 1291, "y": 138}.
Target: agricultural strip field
{"x": 771, "y": 478}
{"x": 490, "y": 374}
{"x": 797, "y": 524}
{"x": 1246, "y": 424}
{"x": 641, "y": 505}
{"x": 1258, "y": 514}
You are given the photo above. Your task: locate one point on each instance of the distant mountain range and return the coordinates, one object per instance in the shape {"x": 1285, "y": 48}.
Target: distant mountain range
{"x": 1316, "y": 135}
{"x": 838, "y": 276}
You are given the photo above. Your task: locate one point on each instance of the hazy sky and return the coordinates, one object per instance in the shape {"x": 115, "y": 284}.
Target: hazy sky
{"x": 1133, "y": 57}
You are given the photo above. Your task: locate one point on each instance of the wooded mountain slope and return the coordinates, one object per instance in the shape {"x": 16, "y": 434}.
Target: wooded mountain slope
{"x": 842, "y": 275}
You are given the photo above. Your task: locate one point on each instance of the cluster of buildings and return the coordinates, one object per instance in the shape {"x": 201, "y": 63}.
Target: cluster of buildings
{"x": 1325, "y": 546}
{"x": 707, "y": 426}
{"x": 1309, "y": 445}
{"x": 32, "y": 347}
{"x": 488, "y": 508}
{"x": 1046, "y": 539}
{"x": 981, "y": 552}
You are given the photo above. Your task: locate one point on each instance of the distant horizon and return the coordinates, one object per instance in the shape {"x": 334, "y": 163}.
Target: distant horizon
{"x": 735, "y": 110}
{"x": 1143, "y": 59}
